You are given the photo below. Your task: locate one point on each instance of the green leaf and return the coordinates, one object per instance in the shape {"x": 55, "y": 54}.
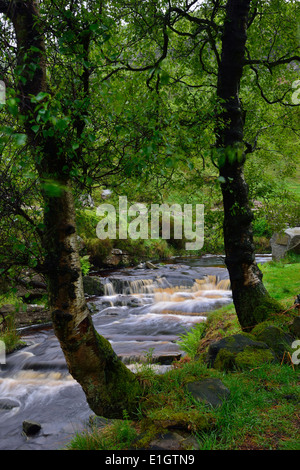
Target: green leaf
{"x": 39, "y": 97}
{"x": 35, "y": 128}
{"x": 20, "y": 139}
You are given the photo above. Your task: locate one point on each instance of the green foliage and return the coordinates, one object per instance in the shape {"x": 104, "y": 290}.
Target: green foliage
{"x": 189, "y": 341}
{"x": 9, "y": 335}
{"x": 98, "y": 250}
{"x": 85, "y": 264}
{"x": 261, "y": 228}
{"x": 86, "y": 221}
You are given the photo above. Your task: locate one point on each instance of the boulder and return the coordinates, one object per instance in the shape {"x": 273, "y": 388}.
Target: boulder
{"x": 238, "y": 351}
{"x": 8, "y": 403}
{"x": 234, "y": 344}
{"x": 117, "y": 258}
{"x": 93, "y": 285}
{"x": 282, "y": 243}
{"x": 274, "y": 337}
{"x": 211, "y": 391}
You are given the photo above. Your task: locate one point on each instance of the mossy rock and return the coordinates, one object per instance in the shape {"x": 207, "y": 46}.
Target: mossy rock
{"x": 93, "y": 285}
{"x": 246, "y": 359}
{"x": 278, "y": 340}
{"x": 239, "y": 352}
{"x": 98, "y": 250}
{"x": 167, "y": 418}
{"x": 225, "y": 360}
{"x": 234, "y": 344}
{"x": 250, "y": 358}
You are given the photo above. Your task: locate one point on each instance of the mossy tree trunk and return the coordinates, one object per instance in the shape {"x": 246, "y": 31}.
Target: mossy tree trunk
{"x": 246, "y": 278}
{"x": 109, "y": 386}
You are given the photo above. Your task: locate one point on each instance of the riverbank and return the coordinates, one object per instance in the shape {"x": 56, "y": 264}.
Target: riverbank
{"x": 260, "y": 406}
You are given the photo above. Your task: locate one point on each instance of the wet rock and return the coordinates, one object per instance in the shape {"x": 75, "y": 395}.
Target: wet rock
{"x": 31, "y": 428}
{"x": 8, "y": 404}
{"x": 7, "y": 309}
{"x": 211, "y": 391}
{"x": 93, "y": 285}
{"x": 150, "y": 265}
{"x": 30, "y": 315}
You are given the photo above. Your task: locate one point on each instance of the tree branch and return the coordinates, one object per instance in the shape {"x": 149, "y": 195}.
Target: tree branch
{"x": 270, "y": 65}
{"x": 193, "y": 19}
{"x": 278, "y": 100}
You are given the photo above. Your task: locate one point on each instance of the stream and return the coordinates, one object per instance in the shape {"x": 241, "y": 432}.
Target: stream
{"x": 143, "y": 314}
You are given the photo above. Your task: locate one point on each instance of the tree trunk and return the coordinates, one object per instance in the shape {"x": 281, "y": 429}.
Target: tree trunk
{"x": 246, "y": 279}
{"x": 110, "y": 387}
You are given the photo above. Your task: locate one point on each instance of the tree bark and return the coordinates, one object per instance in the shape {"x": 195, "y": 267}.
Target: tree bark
{"x": 110, "y": 387}
{"x": 246, "y": 279}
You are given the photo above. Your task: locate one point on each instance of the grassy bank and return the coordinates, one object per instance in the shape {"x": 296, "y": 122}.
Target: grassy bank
{"x": 262, "y": 411}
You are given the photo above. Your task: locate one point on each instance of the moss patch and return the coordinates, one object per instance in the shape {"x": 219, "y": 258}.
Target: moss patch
{"x": 225, "y": 360}
{"x": 274, "y": 337}
{"x": 250, "y": 358}
{"x": 167, "y": 418}
{"x": 266, "y": 309}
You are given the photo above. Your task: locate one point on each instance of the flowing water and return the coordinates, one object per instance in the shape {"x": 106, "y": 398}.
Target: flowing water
{"x": 143, "y": 313}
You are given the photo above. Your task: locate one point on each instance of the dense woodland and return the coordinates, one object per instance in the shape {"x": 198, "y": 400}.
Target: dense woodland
{"x": 161, "y": 101}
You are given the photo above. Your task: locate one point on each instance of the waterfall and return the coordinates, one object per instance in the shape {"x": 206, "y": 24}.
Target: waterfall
{"x": 120, "y": 286}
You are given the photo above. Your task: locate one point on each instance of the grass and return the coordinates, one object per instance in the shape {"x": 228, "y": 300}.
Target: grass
{"x": 117, "y": 435}
{"x": 262, "y": 411}
{"x": 8, "y": 333}
{"x": 282, "y": 278}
